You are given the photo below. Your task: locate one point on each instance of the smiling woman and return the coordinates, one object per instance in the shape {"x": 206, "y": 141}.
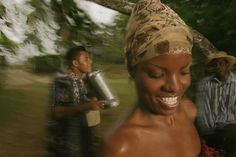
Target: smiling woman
{"x": 158, "y": 52}
{"x": 161, "y": 84}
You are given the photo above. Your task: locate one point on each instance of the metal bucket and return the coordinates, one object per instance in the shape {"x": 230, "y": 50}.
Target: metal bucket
{"x": 99, "y": 82}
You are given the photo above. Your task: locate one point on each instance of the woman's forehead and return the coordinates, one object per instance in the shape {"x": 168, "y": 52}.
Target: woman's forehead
{"x": 172, "y": 58}
{"x": 165, "y": 61}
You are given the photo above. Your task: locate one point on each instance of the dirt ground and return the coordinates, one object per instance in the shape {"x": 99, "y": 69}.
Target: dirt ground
{"x": 23, "y": 134}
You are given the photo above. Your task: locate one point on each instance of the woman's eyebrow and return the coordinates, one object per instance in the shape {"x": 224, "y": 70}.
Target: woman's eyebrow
{"x": 187, "y": 65}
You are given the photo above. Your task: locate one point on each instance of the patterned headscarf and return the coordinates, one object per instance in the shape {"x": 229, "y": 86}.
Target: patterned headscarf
{"x": 152, "y": 30}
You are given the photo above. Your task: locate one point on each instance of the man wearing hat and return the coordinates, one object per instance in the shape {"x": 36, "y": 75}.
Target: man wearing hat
{"x": 216, "y": 99}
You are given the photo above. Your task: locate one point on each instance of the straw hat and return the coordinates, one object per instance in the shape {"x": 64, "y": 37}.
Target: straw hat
{"x": 221, "y": 54}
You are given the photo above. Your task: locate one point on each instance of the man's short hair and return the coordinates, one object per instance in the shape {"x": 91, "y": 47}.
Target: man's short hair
{"x": 72, "y": 53}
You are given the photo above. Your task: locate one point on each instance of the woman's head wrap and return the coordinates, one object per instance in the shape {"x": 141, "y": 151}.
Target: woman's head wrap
{"x": 154, "y": 29}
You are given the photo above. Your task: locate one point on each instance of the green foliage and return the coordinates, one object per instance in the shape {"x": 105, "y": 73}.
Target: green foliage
{"x": 2, "y": 10}
{"x": 111, "y": 48}
{"x": 75, "y": 24}
{"x": 41, "y": 9}
{"x": 46, "y": 63}
{"x": 133, "y": 1}
{"x": 108, "y": 54}
{"x": 215, "y": 19}
{"x": 7, "y": 43}
{"x": 3, "y": 62}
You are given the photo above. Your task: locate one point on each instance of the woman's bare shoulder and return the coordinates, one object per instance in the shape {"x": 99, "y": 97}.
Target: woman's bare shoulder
{"x": 120, "y": 143}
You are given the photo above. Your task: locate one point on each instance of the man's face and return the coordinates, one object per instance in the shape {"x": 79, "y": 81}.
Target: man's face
{"x": 161, "y": 82}
{"x": 83, "y": 62}
{"x": 221, "y": 67}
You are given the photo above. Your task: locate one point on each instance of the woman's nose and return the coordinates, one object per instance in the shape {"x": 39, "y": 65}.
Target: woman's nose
{"x": 173, "y": 84}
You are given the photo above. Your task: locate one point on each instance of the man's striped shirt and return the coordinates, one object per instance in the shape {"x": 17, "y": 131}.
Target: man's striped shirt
{"x": 216, "y": 102}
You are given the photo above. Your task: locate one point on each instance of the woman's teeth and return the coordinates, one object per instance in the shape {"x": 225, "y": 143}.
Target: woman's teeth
{"x": 170, "y": 100}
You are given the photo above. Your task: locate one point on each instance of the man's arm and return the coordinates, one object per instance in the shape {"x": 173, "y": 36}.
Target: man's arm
{"x": 64, "y": 111}
{"x": 63, "y": 99}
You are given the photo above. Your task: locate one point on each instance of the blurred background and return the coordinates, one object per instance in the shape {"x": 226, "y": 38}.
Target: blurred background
{"x": 34, "y": 35}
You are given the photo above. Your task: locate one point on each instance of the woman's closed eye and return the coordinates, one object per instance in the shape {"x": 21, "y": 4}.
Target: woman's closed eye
{"x": 155, "y": 75}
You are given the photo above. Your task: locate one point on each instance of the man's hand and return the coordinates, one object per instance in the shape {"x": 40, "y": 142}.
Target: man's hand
{"x": 94, "y": 104}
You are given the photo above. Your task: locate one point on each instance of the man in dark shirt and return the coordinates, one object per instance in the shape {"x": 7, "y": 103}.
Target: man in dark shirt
{"x": 74, "y": 116}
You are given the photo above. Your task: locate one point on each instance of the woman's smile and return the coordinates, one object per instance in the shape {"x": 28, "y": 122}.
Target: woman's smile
{"x": 170, "y": 102}
{"x": 160, "y": 82}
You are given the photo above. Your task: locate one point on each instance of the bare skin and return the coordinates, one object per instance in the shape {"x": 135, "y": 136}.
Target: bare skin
{"x": 137, "y": 137}
{"x": 162, "y": 123}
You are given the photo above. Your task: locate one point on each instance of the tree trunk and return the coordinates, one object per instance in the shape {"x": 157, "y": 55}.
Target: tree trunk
{"x": 202, "y": 43}
{"x": 125, "y": 7}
